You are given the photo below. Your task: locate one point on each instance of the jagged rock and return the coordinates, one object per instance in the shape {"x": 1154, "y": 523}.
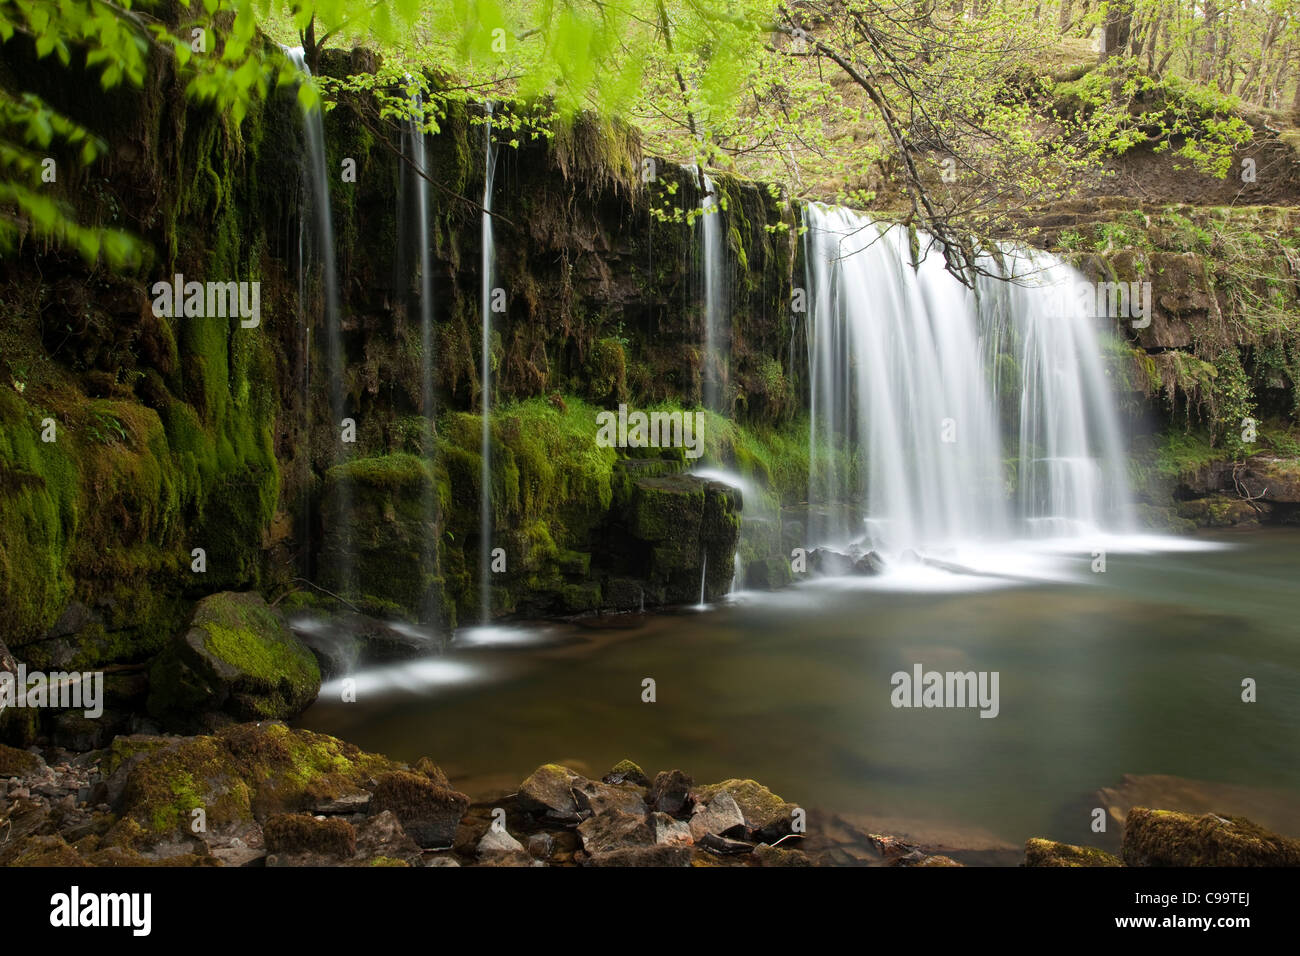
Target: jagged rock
{"x": 625, "y": 771}
{"x": 766, "y": 815}
{"x": 870, "y": 563}
{"x": 498, "y": 841}
{"x": 668, "y": 830}
{"x": 724, "y": 846}
{"x": 236, "y": 656}
{"x": 671, "y": 792}
{"x": 826, "y": 561}
{"x": 540, "y": 845}
{"x": 429, "y": 813}
{"x": 348, "y": 803}
{"x": 1169, "y": 838}
{"x": 596, "y": 798}
{"x": 614, "y": 830}
{"x": 1040, "y": 852}
{"x": 548, "y": 792}
{"x": 720, "y": 817}
{"x": 938, "y": 859}
{"x": 382, "y": 835}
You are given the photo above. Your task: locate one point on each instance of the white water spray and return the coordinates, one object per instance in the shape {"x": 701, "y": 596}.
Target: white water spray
{"x": 485, "y": 377}
{"x": 929, "y": 381}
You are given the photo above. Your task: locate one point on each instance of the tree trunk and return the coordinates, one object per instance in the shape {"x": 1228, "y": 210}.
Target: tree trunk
{"x": 1063, "y": 21}
{"x": 1116, "y": 27}
{"x": 1265, "y": 45}
{"x": 1209, "y": 64}
{"x": 1295, "y": 104}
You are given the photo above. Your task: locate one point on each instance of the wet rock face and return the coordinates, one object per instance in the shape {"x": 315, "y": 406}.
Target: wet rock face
{"x": 685, "y": 528}
{"x": 236, "y": 659}
{"x": 1260, "y": 490}
{"x": 1170, "y": 838}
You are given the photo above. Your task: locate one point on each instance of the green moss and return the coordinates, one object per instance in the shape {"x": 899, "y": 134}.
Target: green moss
{"x": 17, "y": 763}
{"x": 238, "y": 655}
{"x": 1170, "y": 838}
{"x": 243, "y": 772}
{"x": 1039, "y": 852}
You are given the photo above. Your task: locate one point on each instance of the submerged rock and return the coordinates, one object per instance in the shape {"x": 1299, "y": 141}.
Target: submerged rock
{"x": 1169, "y": 838}
{"x": 236, "y": 656}
{"x": 1040, "y": 852}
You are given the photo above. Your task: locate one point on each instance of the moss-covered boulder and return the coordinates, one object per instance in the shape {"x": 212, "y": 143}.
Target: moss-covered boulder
{"x": 242, "y": 773}
{"x": 548, "y": 793}
{"x": 1039, "y": 852}
{"x": 301, "y": 833}
{"x": 766, "y": 815}
{"x": 1171, "y": 838}
{"x": 236, "y": 657}
{"x": 685, "y": 529}
{"x": 428, "y": 811}
{"x": 17, "y": 763}
{"x": 379, "y": 518}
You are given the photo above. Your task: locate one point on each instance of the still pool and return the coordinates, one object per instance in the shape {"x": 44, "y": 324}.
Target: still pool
{"x": 1136, "y": 671}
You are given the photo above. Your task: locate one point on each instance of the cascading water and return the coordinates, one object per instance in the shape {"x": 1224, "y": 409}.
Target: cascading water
{"x": 485, "y": 477}
{"x": 926, "y": 386}
{"x": 716, "y": 357}
{"x": 415, "y": 190}
{"x": 322, "y": 216}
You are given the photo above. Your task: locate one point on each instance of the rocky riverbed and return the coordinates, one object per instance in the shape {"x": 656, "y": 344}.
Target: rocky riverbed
{"x": 263, "y": 794}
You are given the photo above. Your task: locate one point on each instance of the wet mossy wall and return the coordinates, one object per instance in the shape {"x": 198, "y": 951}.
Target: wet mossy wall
{"x": 183, "y": 433}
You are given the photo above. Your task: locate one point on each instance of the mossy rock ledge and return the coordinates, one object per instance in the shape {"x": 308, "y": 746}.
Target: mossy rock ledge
{"x": 235, "y": 660}
{"x": 1171, "y": 838}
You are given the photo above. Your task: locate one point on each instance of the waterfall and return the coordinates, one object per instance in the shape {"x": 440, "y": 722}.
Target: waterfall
{"x": 315, "y": 172}
{"x": 485, "y": 377}
{"x": 714, "y": 372}
{"x": 414, "y": 182}
{"x": 704, "y": 575}
{"x": 946, "y": 396}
